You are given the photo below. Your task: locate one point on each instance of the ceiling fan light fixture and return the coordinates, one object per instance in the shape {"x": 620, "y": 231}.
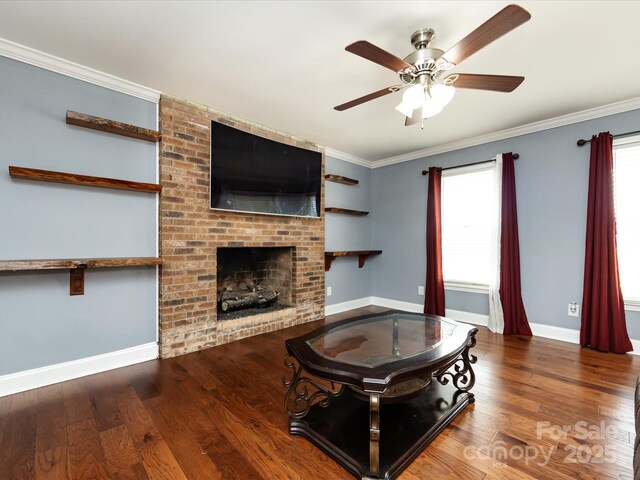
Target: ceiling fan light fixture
{"x": 412, "y": 98}
{"x": 430, "y": 109}
{"x": 442, "y": 94}
{"x": 405, "y": 109}
{"x": 436, "y": 98}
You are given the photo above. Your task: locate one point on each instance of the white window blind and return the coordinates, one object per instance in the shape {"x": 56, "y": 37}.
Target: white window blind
{"x": 468, "y": 217}
{"x": 627, "y": 201}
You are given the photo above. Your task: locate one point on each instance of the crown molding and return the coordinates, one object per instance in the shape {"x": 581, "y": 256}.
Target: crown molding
{"x": 347, "y": 157}
{"x": 582, "y": 116}
{"x": 40, "y": 59}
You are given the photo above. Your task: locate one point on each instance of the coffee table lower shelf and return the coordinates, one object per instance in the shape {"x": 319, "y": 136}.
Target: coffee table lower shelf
{"x": 341, "y": 429}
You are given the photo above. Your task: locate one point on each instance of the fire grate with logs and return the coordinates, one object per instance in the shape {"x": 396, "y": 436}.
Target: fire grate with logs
{"x": 249, "y": 296}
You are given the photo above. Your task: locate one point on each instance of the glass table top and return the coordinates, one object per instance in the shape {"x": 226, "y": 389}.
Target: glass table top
{"x": 376, "y": 341}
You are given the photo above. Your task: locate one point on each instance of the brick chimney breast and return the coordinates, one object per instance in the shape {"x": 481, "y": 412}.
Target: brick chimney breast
{"x": 191, "y": 234}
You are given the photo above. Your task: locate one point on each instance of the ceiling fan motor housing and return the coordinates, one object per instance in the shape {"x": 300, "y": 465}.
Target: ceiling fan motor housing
{"x": 422, "y": 38}
{"x": 425, "y": 62}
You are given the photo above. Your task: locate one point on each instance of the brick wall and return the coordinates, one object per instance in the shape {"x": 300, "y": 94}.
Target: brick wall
{"x": 190, "y": 232}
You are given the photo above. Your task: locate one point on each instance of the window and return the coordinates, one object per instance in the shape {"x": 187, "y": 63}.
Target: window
{"x": 468, "y": 219}
{"x": 627, "y": 200}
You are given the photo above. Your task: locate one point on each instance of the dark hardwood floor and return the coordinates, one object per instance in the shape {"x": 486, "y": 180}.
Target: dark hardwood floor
{"x": 218, "y": 414}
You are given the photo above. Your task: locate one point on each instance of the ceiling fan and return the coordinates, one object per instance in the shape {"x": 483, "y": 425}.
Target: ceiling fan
{"x": 424, "y": 71}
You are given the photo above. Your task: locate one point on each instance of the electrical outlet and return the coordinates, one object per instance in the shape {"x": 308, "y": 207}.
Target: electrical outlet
{"x": 328, "y": 291}
{"x": 420, "y": 290}
{"x": 574, "y": 309}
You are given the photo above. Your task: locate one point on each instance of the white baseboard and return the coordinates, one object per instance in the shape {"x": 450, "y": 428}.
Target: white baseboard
{"x": 555, "y": 333}
{"x": 467, "y": 317}
{"x": 458, "y": 315}
{"x": 538, "y": 329}
{"x": 39, "y": 377}
{"x": 346, "y": 306}
{"x": 397, "y": 305}
{"x": 568, "y": 335}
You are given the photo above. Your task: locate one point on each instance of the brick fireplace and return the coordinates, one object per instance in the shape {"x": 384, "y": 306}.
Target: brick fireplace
{"x": 193, "y": 238}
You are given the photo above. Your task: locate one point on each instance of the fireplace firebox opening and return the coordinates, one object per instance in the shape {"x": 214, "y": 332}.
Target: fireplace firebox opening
{"x": 253, "y": 280}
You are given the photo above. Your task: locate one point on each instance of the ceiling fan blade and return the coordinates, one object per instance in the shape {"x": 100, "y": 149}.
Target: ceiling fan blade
{"x": 496, "y": 83}
{"x": 375, "y": 54}
{"x": 504, "y": 21}
{"x": 366, "y": 98}
{"x": 413, "y": 119}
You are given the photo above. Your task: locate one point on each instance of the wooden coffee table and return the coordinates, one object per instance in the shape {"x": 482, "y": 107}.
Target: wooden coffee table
{"x": 373, "y": 391}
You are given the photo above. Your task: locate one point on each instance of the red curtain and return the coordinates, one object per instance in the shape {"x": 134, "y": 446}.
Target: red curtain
{"x": 515, "y": 317}
{"x": 434, "y": 295}
{"x": 603, "y": 319}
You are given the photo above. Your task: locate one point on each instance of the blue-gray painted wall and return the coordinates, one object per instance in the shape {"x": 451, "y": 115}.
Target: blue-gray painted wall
{"x": 40, "y": 324}
{"x": 347, "y": 232}
{"x": 551, "y": 183}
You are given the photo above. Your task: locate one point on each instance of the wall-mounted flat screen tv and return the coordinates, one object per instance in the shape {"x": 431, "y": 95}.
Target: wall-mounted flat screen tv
{"x": 254, "y": 174}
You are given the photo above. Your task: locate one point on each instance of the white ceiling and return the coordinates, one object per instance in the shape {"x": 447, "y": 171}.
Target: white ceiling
{"x": 282, "y": 64}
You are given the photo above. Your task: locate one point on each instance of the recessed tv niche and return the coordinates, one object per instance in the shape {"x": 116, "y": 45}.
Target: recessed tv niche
{"x": 254, "y": 174}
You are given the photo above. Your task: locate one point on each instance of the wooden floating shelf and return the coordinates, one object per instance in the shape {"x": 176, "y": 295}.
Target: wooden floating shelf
{"x": 345, "y": 211}
{"x": 70, "y": 263}
{"x": 112, "y": 126}
{"x": 329, "y": 257}
{"x": 76, "y": 267}
{"x": 330, "y": 177}
{"x": 76, "y": 179}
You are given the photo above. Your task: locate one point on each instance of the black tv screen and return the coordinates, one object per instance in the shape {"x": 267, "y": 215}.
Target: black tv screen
{"x": 254, "y": 174}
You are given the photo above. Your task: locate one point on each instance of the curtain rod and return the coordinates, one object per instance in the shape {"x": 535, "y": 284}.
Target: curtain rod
{"x": 515, "y": 157}
{"x": 582, "y": 141}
